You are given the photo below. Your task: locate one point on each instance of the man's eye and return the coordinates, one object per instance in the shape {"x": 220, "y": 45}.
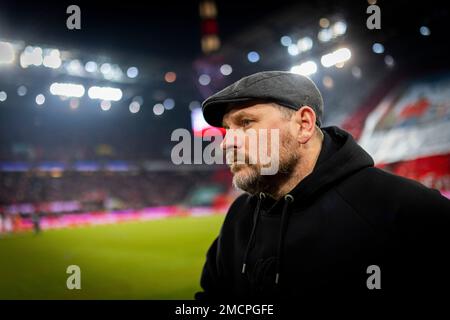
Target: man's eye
{"x": 246, "y": 122}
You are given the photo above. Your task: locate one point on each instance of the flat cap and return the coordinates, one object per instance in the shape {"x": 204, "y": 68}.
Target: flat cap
{"x": 285, "y": 88}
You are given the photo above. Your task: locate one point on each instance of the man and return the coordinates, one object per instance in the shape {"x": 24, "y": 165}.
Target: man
{"x": 36, "y": 219}
{"x": 327, "y": 223}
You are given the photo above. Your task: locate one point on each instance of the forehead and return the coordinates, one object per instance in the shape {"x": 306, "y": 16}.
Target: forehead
{"x": 235, "y": 111}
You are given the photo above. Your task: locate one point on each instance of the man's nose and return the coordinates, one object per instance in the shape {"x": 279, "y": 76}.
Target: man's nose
{"x": 232, "y": 139}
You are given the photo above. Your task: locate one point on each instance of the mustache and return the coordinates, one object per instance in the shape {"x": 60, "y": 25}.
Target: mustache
{"x": 235, "y": 157}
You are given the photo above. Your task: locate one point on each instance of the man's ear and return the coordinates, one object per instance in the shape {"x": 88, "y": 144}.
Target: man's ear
{"x": 305, "y": 117}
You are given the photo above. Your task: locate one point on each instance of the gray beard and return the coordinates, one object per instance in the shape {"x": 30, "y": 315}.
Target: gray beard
{"x": 255, "y": 182}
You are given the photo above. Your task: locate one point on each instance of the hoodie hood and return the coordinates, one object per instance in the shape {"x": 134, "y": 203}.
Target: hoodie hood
{"x": 340, "y": 157}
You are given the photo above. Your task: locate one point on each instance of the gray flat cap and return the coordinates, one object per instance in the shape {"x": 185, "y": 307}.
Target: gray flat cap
{"x": 285, "y": 88}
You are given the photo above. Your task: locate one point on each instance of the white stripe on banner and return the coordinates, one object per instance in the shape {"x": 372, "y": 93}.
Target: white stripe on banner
{"x": 402, "y": 144}
{"x": 410, "y": 123}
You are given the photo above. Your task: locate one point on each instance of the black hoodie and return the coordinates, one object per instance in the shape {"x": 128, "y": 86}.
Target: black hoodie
{"x": 321, "y": 237}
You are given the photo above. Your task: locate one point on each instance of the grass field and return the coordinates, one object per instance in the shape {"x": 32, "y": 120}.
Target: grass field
{"x": 160, "y": 259}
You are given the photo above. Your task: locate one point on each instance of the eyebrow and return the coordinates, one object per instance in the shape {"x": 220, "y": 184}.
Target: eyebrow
{"x": 239, "y": 115}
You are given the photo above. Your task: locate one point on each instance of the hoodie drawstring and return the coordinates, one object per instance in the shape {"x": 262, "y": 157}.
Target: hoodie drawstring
{"x": 261, "y": 196}
{"x": 284, "y": 221}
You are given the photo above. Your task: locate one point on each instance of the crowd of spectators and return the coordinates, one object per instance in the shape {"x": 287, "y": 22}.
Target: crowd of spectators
{"x": 104, "y": 190}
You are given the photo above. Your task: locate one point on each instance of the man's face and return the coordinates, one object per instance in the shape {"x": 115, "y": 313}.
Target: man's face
{"x": 265, "y": 122}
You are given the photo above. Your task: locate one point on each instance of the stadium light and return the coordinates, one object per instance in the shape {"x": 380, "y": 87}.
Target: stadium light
{"x": 7, "y": 53}
{"x": 204, "y": 79}
{"x": 3, "y": 96}
{"x": 67, "y": 89}
{"x": 169, "y": 104}
{"x": 74, "y": 67}
{"x": 328, "y": 82}
{"x": 31, "y": 56}
{"x": 53, "y": 59}
{"x": 105, "y": 105}
{"x": 324, "y": 23}
{"x": 356, "y": 72}
{"x": 425, "y": 31}
{"x": 305, "y": 44}
{"x": 389, "y": 60}
{"x": 134, "y": 107}
{"x": 90, "y": 66}
{"x": 226, "y": 69}
{"x": 339, "y": 28}
{"x": 132, "y": 72}
{"x": 325, "y": 35}
{"x": 158, "y": 109}
{"x": 378, "y": 48}
{"x": 305, "y": 69}
{"x": 105, "y": 93}
{"x": 40, "y": 99}
{"x": 337, "y": 57}
{"x": 74, "y": 103}
{"x": 21, "y": 91}
{"x": 293, "y": 50}
{"x": 112, "y": 72}
{"x": 170, "y": 77}
{"x": 105, "y": 68}
{"x": 286, "y": 41}
{"x": 253, "y": 56}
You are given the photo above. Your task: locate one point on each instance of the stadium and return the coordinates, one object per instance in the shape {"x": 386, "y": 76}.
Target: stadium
{"x": 90, "y": 98}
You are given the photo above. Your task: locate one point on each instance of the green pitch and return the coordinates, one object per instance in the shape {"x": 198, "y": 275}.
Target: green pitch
{"x": 159, "y": 259}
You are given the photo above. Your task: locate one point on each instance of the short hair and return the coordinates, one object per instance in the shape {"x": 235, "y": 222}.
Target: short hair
{"x": 285, "y": 111}
{"x": 288, "y": 112}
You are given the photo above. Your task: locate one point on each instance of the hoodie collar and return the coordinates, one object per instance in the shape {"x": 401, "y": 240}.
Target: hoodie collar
{"x": 329, "y": 147}
{"x": 339, "y": 157}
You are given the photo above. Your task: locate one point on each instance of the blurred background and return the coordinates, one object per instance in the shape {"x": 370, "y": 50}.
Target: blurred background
{"x": 86, "y": 117}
